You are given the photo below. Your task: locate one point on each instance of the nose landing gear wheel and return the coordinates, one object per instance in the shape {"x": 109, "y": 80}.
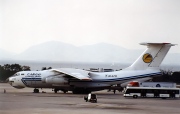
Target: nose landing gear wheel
{"x": 36, "y": 90}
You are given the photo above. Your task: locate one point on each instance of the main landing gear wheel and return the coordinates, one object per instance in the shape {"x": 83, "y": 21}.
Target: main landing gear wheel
{"x": 81, "y": 91}
{"x": 55, "y": 90}
{"x": 36, "y": 90}
{"x": 64, "y": 91}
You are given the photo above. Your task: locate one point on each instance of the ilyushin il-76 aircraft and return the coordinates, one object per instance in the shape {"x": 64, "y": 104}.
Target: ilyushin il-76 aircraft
{"x": 82, "y": 81}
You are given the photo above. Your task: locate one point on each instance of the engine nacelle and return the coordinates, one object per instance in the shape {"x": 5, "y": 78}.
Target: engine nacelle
{"x": 56, "y": 80}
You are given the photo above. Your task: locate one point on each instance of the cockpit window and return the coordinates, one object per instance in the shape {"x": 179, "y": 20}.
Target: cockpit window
{"x": 22, "y": 74}
{"x": 17, "y": 74}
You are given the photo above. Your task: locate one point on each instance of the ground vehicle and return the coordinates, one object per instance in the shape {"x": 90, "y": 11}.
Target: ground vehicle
{"x": 91, "y": 98}
{"x": 158, "y": 84}
{"x": 158, "y": 92}
{"x": 152, "y": 84}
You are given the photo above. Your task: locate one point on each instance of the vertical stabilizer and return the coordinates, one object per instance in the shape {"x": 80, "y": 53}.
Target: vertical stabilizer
{"x": 152, "y": 56}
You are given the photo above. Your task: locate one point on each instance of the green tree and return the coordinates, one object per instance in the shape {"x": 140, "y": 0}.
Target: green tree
{"x": 49, "y": 68}
{"x": 25, "y": 68}
{"x": 8, "y": 70}
{"x": 43, "y": 68}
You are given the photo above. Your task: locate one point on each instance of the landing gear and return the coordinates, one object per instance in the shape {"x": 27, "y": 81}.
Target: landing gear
{"x": 36, "y": 90}
{"x": 56, "y": 90}
{"x": 81, "y": 91}
{"x": 64, "y": 91}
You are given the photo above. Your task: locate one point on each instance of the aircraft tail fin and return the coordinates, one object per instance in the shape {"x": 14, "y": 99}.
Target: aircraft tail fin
{"x": 152, "y": 56}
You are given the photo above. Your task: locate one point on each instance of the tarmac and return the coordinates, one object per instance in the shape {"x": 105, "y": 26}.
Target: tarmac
{"x": 24, "y": 101}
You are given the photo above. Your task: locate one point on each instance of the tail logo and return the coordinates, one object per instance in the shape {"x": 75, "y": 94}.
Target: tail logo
{"x": 147, "y": 58}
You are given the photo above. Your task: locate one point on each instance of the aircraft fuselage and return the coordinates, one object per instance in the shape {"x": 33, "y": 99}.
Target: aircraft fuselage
{"x": 40, "y": 79}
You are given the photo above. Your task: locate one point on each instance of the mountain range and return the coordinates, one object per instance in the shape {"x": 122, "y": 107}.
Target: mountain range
{"x": 101, "y": 52}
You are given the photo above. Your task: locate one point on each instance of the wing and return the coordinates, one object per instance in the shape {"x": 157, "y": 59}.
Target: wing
{"x": 76, "y": 73}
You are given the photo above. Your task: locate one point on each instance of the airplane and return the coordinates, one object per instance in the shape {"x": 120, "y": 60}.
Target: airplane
{"x": 82, "y": 81}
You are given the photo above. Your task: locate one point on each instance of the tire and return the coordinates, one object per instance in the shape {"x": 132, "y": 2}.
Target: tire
{"x": 65, "y": 91}
{"x": 163, "y": 98}
{"x": 85, "y": 98}
{"x": 135, "y": 96}
{"x": 55, "y": 90}
{"x": 158, "y": 85}
{"x": 36, "y": 90}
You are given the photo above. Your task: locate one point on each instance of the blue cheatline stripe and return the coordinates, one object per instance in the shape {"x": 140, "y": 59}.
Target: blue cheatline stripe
{"x": 121, "y": 79}
{"x": 24, "y": 80}
{"x": 31, "y": 79}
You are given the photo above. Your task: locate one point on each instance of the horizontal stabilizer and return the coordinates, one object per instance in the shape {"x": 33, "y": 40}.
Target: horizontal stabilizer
{"x": 147, "y": 43}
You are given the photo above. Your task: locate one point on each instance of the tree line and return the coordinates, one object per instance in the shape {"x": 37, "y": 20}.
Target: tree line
{"x": 168, "y": 76}
{"x": 8, "y": 70}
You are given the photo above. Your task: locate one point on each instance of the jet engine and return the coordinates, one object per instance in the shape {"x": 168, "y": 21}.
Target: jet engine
{"x": 56, "y": 80}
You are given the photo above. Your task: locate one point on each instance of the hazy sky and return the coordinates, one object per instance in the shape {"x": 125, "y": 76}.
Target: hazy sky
{"x": 24, "y": 23}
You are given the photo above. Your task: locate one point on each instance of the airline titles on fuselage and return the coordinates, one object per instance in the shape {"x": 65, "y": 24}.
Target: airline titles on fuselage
{"x": 33, "y": 75}
{"x": 110, "y": 75}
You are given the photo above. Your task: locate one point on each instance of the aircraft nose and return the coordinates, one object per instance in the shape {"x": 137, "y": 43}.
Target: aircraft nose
{"x": 10, "y": 80}
{"x": 7, "y": 80}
